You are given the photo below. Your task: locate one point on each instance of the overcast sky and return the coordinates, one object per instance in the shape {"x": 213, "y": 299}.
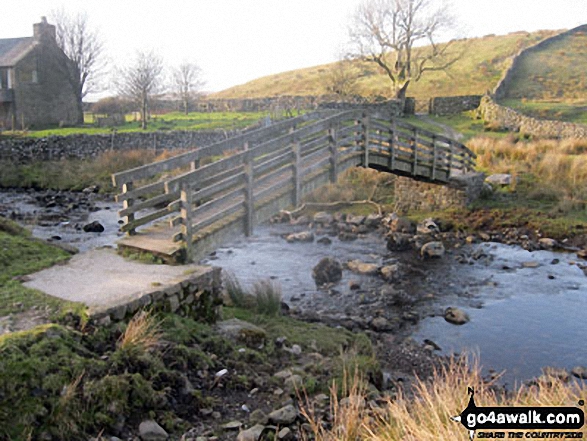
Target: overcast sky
{"x": 235, "y": 41}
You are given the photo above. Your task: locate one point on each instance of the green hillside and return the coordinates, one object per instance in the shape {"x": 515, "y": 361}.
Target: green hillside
{"x": 555, "y": 71}
{"x": 483, "y": 62}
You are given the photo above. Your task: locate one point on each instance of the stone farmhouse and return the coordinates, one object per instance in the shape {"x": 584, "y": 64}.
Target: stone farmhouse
{"x": 36, "y": 83}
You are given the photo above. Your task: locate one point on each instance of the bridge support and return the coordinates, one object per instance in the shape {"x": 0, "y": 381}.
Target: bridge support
{"x": 411, "y": 195}
{"x": 186, "y": 201}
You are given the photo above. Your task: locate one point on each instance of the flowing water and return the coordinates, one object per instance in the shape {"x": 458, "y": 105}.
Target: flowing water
{"x": 527, "y": 310}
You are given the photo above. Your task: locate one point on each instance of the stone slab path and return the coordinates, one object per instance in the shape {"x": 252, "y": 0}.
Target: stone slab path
{"x": 101, "y": 277}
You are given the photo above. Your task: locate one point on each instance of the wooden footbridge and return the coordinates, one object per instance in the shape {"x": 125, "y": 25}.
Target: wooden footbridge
{"x": 183, "y": 207}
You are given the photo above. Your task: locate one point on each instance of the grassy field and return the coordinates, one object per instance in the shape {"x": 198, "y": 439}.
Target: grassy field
{"x": 168, "y": 121}
{"x": 483, "y": 62}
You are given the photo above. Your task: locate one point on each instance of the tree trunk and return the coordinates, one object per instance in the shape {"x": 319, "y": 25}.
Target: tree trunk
{"x": 401, "y": 93}
{"x": 144, "y": 114}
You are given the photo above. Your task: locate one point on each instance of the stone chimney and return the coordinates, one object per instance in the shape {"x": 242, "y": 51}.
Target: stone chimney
{"x": 44, "y": 31}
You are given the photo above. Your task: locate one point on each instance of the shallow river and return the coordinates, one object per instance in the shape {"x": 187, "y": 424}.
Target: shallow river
{"x": 527, "y": 310}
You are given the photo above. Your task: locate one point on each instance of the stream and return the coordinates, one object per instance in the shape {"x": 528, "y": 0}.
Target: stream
{"x": 527, "y": 309}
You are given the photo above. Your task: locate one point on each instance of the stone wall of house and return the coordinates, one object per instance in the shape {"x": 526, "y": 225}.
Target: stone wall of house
{"x": 198, "y": 296}
{"x": 44, "y": 95}
{"x": 412, "y": 195}
{"x": 22, "y": 150}
{"x": 506, "y": 118}
{"x": 451, "y": 105}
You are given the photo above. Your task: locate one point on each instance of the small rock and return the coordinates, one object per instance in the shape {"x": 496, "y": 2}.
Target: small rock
{"x": 151, "y": 431}
{"x": 402, "y": 225}
{"x": 259, "y": 417}
{"x": 324, "y": 241}
{"x": 94, "y": 227}
{"x": 285, "y": 434}
{"x": 327, "y": 271}
{"x": 242, "y": 332}
{"x": 432, "y": 250}
{"x": 381, "y": 324}
{"x": 252, "y": 434}
{"x": 582, "y": 254}
{"x": 373, "y": 220}
{"x": 456, "y": 316}
{"x": 366, "y": 269}
{"x": 284, "y": 416}
{"x": 345, "y": 236}
{"x": 427, "y": 226}
{"x": 355, "y": 220}
{"x": 323, "y": 218}
{"x": 399, "y": 242}
{"x": 530, "y": 264}
{"x": 499, "y": 179}
{"x": 547, "y": 244}
{"x": 286, "y": 373}
{"x": 389, "y": 272}
{"x": 293, "y": 382}
{"x": 471, "y": 239}
{"x": 233, "y": 425}
{"x": 305, "y": 236}
{"x": 580, "y": 372}
{"x": 354, "y": 285}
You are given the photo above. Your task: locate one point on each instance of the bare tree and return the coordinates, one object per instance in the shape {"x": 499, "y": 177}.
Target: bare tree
{"x": 141, "y": 81}
{"x": 83, "y": 46}
{"x": 187, "y": 81}
{"x": 392, "y": 34}
{"x": 341, "y": 79}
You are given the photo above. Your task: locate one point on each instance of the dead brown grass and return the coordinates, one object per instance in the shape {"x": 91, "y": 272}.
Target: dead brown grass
{"x": 558, "y": 166}
{"x": 143, "y": 334}
{"x": 425, "y": 415}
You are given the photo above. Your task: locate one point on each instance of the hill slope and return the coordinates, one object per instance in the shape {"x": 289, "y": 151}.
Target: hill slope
{"x": 484, "y": 61}
{"x": 553, "y": 71}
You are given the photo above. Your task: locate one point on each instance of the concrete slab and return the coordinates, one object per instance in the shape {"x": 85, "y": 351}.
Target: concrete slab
{"x": 102, "y": 277}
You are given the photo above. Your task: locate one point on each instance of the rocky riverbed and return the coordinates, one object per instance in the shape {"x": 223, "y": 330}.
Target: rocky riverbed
{"x": 415, "y": 290}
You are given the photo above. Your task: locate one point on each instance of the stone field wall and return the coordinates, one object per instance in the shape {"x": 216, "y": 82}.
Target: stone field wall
{"x": 90, "y": 146}
{"x": 452, "y": 105}
{"x": 412, "y": 195}
{"x": 509, "y": 119}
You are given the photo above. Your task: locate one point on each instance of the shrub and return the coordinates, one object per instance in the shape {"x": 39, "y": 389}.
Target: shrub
{"x": 143, "y": 334}
{"x": 236, "y": 293}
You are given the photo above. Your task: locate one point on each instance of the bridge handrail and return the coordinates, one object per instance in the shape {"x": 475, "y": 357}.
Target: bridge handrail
{"x": 150, "y": 170}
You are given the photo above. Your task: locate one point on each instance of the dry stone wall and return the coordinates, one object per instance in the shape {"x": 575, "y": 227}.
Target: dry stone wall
{"x": 507, "y": 118}
{"x": 89, "y": 146}
{"x": 412, "y": 195}
{"x": 452, "y": 105}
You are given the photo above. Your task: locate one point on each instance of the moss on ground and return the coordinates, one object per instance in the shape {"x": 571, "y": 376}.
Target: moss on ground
{"x": 21, "y": 254}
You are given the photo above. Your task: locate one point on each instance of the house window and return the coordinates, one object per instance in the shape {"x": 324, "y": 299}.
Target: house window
{"x": 4, "y": 79}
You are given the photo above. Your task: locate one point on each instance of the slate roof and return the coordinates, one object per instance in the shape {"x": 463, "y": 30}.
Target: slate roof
{"x": 13, "y": 49}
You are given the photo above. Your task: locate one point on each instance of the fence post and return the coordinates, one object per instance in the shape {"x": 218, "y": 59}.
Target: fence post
{"x": 187, "y": 221}
{"x": 333, "y": 154}
{"x": 365, "y": 127}
{"x": 127, "y": 203}
{"x": 249, "y": 199}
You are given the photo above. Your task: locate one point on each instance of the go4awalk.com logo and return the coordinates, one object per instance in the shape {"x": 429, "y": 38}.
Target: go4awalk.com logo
{"x": 491, "y": 422}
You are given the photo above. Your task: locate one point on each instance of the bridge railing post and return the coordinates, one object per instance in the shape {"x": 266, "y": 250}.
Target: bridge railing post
{"x": 333, "y": 133}
{"x": 392, "y": 152}
{"x": 297, "y": 174}
{"x": 128, "y": 203}
{"x": 450, "y": 155}
{"x": 249, "y": 197}
{"x": 434, "y": 153}
{"x": 415, "y": 147}
{"x": 186, "y": 201}
{"x": 365, "y": 127}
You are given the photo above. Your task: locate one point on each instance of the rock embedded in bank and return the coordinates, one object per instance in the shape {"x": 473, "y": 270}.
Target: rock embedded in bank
{"x": 327, "y": 271}
{"x": 304, "y": 236}
{"x": 151, "y": 431}
{"x": 94, "y": 227}
{"x": 456, "y": 316}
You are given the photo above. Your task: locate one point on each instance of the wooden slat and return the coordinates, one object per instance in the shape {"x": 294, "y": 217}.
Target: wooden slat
{"x": 156, "y": 187}
{"x": 199, "y": 211}
{"x": 279, "y": 161}
{"x": 149, "y": 203}
{"x": 145, "y": 220}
